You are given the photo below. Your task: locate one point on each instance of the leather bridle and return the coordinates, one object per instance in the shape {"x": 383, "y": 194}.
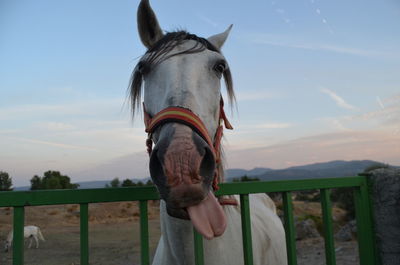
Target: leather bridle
{"x": 187, "y": 117}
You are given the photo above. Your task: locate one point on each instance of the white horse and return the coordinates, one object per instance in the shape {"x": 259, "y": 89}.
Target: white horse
{"x": 183, "y": 112}
{"x": 32, "y": 232}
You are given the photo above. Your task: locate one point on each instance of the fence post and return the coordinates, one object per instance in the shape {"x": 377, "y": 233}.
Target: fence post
{"x": 18, "y": 235}
{"x": 328, "y": 232}
{"x": 364, "y": 225}
{"x": 198, "y": 248}
{"x": 144, "y": 233}
{"x": 246, "y": 229}
{"x": 290, "y": 231}
{"x": 84, "y": 232}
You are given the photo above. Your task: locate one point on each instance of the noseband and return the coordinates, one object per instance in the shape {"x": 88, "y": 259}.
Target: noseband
{"x": 187, "y": 117}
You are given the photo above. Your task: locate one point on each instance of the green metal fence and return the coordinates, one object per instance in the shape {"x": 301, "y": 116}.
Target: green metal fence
{"x": 367, "y": 251}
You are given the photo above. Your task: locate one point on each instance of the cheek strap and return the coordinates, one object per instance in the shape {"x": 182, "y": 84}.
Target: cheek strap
{"x": 187, "y": 117}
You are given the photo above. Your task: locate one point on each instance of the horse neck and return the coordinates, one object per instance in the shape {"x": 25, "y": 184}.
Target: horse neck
{"x": 220, "y": 167}
{"x": 177, "y": 246}
{"x": 177, "y": 236}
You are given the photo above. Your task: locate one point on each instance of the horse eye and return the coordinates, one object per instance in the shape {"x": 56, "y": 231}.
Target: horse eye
{"x": 220, "y": 68}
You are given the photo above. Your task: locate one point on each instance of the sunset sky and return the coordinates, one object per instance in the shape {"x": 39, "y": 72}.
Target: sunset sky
{"x": 315, "y": 81}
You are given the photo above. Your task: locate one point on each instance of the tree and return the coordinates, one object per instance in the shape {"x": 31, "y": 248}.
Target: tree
{"x": 245, "y": 178}
{"x": 115, "y": 183}
{"x": 149, "y": 183}
{"x": 140, "y": 184}
{"x": 127, "y": 183}
{"x": 5, "y": 182}
{"x": 52, "y": 180}
{"x": 36, "y": 183}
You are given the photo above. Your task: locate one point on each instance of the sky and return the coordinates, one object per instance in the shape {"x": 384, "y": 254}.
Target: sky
{"x": 315, "y": 81}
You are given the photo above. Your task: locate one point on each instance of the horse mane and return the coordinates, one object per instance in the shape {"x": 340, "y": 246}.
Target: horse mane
{"x": 159, "y": 52}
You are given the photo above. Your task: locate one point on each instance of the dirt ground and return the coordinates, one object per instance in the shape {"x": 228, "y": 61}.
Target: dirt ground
{"x": 114, "y": 236}
{"x": 312, "y": 252}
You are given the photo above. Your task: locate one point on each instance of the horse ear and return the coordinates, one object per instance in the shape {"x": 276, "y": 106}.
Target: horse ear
{"x": 148, "y": 27}
{"x": 219, "y": 39}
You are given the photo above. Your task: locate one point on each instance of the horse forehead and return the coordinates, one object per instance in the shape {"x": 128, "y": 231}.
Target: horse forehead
{"x": 181, "y": 54}
{"x": 189, "y": 44}
{"x": 183, "y": 76}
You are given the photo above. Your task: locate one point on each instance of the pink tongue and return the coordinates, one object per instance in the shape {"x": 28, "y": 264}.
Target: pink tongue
{"x": 208, "y": 217}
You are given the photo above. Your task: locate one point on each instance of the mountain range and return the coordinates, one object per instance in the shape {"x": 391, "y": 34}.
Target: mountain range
{"x": 331, "y": 169}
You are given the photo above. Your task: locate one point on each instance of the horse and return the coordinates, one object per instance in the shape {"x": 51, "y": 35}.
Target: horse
{"x": 32, "y": 232}
{"x": 180, "y": 76}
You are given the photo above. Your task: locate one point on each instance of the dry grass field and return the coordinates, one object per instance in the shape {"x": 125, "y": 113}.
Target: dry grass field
{"x": 114, "y": 237}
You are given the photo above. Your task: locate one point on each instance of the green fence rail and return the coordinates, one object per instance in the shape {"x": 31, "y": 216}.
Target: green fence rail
{"x": 367, "y": 251}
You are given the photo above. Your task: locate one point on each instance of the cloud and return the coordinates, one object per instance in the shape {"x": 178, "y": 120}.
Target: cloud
{"x": 336, "y": 124}
{"x": 283, "y": 41}
{"x": 252, "y": 95}
{"x": 385, "y": 115}
{"x": 394, "y": 99}
{"x": 134, "y": 165}
{"x": 376, "y": 145}
{"x": 378, "y": 99}
{"x": 287, "y": 20}
{"x": 338, "y": 100}
{"x": 23, "y": 111}
{"x": 54, "y": 144}
{"x": 208, "y": 20}
{"x": 9, "y": 131}
{"x": 283, "y": 14}
{"x": 81, "y": 108}
{"x": 274, "y": 125}
{"x": 388, "y": 113}
{"x": 56, "y": 126}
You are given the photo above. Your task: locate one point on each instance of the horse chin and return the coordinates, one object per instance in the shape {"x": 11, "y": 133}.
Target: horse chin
{"x": 184, "y": 196}
{"x": 180, "y": 213}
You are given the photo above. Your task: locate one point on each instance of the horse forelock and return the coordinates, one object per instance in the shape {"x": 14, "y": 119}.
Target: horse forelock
{"x": 159, "y": 52}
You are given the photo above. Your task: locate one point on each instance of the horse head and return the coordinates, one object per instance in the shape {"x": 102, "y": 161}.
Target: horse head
{"x": 183, "y": 113}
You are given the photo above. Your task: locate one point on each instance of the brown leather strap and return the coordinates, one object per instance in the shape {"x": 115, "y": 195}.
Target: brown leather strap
{"x": 187, "y": 117}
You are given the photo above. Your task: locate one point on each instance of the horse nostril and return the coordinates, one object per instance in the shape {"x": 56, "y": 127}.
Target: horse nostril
{"x": 156, "y": 167}
{"x": 207, "y": 165}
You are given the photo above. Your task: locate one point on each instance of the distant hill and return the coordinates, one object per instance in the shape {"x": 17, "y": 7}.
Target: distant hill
{"x": 332, "y": 169}
{"x": 238, "y": 172}
{"x": 93, "y": 184}
{"x": 22, "y": 188}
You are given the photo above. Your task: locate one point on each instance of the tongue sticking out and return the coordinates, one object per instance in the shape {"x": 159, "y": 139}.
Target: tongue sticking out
{"x": 208, "y": 217}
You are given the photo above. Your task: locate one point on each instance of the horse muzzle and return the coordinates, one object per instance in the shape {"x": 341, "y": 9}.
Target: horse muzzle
{"x": 182, "y": 166}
